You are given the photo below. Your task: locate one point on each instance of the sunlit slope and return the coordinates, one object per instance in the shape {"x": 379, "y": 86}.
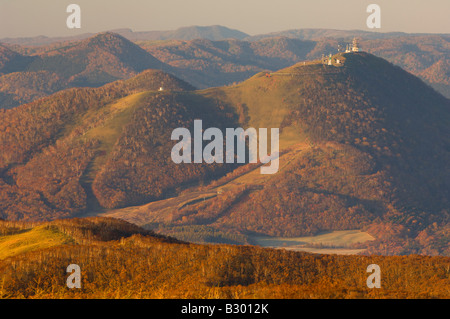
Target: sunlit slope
{"x": 119, "y": 115}
{"x": 266, "y": 101}
{"x": 364, "y": 102}
{"x": 40, "y": 237}
{"x": 121, "y": 260}
{"x": 18, "y": 238}
{"x": 380, "y": 142}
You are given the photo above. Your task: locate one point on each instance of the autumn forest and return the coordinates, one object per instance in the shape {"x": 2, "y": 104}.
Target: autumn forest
{"x": 86, "y": 175}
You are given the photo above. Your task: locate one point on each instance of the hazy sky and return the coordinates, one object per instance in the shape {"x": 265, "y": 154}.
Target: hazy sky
{"x": 20, "y": 18}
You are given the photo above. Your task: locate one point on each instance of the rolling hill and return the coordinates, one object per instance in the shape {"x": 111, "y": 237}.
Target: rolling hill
{"x": 31, "y": 72}
{"x": 88, "y": 136}
{"x": 121, "y": 260}
{"x": 364, "y": 145}
{"x": 93, "y": 62}
{"x": 363, "y": 149}
{"x": 207, "y": 63}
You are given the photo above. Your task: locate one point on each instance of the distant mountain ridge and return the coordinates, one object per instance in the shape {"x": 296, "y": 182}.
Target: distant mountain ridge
{"x": 93, "y": 62}
{"x": 202, "y": 62}
{"x": 215, "y": 32}
{"x": 315, "y": 34}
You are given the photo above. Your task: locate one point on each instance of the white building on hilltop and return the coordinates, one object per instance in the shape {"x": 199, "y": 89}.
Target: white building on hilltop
{"x": 354, "y": 47}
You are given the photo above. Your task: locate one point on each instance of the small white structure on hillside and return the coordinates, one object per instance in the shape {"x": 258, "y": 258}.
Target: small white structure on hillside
{"x": 161, "y": 89}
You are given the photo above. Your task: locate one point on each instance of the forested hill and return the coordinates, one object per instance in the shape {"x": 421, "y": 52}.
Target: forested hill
{"x": 204, "y": 57}
{"x": 120, "y": 260}
{"x": 55, "y": 148}
{"x": 366, "y": 145}
{"x": 93, "y": 62}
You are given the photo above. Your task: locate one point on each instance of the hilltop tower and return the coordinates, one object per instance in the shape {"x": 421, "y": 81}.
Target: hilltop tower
{"x": 355, "y": 45}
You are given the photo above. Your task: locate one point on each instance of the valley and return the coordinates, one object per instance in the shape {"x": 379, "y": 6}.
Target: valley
{"x": 336, "y": 242}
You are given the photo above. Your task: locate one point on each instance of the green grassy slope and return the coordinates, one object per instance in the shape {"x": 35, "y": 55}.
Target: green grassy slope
{"x": 37, "y": 238}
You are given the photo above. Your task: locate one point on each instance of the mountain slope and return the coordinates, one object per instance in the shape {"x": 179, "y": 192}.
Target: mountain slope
{"x": 97, "y": 60}
{"x": 11, "y": 60}
{"x": 93, "y": 62}
{"x": 204, "y": 63}
{"x": 17, "y": 238}
{"x": 30, "y": 240}
{"x": 120, "y": 260}
{"x": 365, "y": 144}
{"x": 388, "y": 157}
{"x": 22, "y": 87}
{"x": 108, "y": 146}
{"x": 214, "y": 63}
